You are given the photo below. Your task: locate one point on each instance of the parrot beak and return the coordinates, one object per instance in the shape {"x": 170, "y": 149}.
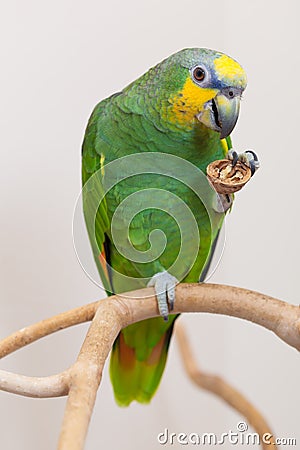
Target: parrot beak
{"x": 221, "y": 113}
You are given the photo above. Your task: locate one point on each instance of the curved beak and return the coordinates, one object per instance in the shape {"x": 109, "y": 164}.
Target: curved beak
{"x": 221, "y": 113}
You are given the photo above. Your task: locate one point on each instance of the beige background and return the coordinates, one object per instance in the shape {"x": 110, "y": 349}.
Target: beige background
{"x": 60, "y": 58}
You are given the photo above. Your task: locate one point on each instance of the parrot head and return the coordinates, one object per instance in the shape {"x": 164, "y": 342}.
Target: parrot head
{"x": 201, "y": 85}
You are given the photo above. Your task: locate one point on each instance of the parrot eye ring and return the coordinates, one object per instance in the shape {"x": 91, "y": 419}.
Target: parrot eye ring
{"x": 199, "y": 74}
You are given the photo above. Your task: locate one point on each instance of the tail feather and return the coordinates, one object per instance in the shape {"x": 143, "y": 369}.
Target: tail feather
{"x": 135, "y": 379}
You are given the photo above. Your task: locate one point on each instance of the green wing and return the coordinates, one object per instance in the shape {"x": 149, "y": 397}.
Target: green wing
{"x": 96, "y": 217}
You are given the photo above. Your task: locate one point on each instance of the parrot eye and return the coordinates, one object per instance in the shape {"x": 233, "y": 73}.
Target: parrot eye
{"x": 199, "y": 74}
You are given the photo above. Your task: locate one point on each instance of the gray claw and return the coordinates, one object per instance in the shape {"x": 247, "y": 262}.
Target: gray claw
{"x": 249, "y": 157}
{"x": 252, "y": 167}
{"x": 253, "y": 154}
{"x": 252, "y": 161}
{"x": 232, "y": 154}
{"x": 171, "y": 294}
{"x": 164, "y": 285}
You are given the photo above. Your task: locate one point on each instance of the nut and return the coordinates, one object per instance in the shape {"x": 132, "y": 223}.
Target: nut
{"x": 226, "y": 178}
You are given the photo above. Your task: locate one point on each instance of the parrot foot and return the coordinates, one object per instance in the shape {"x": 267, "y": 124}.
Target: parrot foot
{"x": 248, "y": 157}
{"x": 164, "y": 285}
{"x": 222, "y": 202}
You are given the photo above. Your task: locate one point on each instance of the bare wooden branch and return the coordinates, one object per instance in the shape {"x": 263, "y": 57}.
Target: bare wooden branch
{"x": 38, "y": 387}
{"x": 116, "y": 312}
{"x": 120, "y": 311}
{"x": 34, "y": 332}
{"x": 87, "y": 372}
{"x": 222, "y": 389}
{"x": 278, "y": 316}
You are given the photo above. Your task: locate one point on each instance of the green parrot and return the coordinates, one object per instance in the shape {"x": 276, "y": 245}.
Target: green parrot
{"x": 148, "y": 144}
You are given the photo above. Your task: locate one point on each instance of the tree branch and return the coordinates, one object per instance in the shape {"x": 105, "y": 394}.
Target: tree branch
{"x": 276, "y": 315}
{"x": 222, "y": 389}
{"x": 45, "y": 327}
{"x": 38, "y": 387}
{"x": 86, "y": 374}
{"x": 113, "y": 314}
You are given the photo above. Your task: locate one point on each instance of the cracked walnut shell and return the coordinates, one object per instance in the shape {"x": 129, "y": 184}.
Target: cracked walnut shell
{"x": 226, "y": 178}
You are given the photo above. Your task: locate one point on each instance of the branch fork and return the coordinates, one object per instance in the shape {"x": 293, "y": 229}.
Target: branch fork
{"x": 81, "y": 381}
